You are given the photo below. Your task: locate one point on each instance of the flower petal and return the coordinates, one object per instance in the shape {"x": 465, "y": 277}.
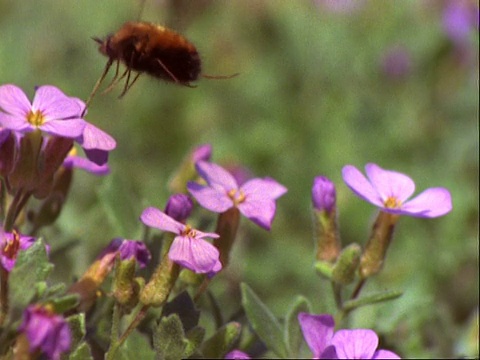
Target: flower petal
{"x": 216, "y": 176}
{"x": 155, "y": 218}
{"x": 389, "y": 183}
{"x": 14, "y": 101}
{"x": 317, "y": 331}
{"x": 355, "y": 344}
{"x": 94, "y": 138}
{"x": 268, "y": 187}
{"x": 359, "y": 184}
{"x": 65, "y": 128}
{"x": 385, "y": 354}
{"x": 15, "y": 123}
{"x": 54, "y": 104}
{"x": 212, "y": 199}
{"x": 194, "y": 254}
{"x": 431, "y": 203}
{"x": 87, "y": 165}
{"x": 260, "y": 210}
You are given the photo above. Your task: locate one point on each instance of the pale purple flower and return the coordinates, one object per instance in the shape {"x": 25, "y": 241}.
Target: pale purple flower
{"x": 75, "y": 161}
{"x": 255, "y": 199}
{"x": 237, "y": 354}
{"x": 390, "y": 191}
{"x": 188, "y": 249}
{"x": 46, "y": 331}
{"x": 10, "y": 245}
{"x": 323, "y": 194}
{"x": 51, "y": 111}
{"x": 128, "y": 249}
{"x": 179, "y": 207}
{"x": 319, "y": 333}
{"x": 202, "y": 153}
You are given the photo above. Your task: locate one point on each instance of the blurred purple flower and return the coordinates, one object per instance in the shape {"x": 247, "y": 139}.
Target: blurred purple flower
{"x": 179, "y": 207}
{"x": 10, "y": 245}
{"x": 318, "y": 331}
{"x": 202, "y": 152}
{"x": 390, "y": 190}
{"x": 189, "y": 249}
{"x": 323, "y": 194}
{"x": 255, "y": 199}
{"x": 75, "y": 161}
{"x": 46, "y": 331}
{"x": 460, "y": 18}
{"x": 96, "y": 143}
{"x": 51, "y": 111}
{"x": 128, "y": 249}
{"x": 237, "y": 354}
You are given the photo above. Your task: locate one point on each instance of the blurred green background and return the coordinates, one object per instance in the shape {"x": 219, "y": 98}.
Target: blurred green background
{"x": 319, "y": 88}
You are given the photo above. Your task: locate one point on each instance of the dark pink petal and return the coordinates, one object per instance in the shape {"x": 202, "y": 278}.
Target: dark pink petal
{"x": 237, "y": 354}
{"x": 65, "y": 128}
{"x": 15, "y": 123}
{"x": 355, "y": 344}
{"x": 54, "y": 104}
{"x": 87, "y": 165}
{"x": 155, "y": 218}
{"x": 194, "y": 254}
{"x": 212, "y": 199}
{"x": 359, "y": 184}
{"x": 267, "y": 188}
{"x": 260, "y": 210}
{"x": 390, "y": 183}
{"x": 14, "y": 101}
{"x": 94, "y": 138}
{"x": 216, "y": 176}
{"x": 385, "y": 354}
{"x": 431, "y": 203}
{"x": 317, "y": 331}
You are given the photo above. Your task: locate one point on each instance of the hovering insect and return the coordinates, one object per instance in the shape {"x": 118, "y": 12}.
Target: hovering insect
{"x": 148, "y": 48}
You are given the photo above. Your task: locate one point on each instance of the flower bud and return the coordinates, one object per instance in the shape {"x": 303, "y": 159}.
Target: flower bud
{"x": 179, "y": 207}
{"x": 347, "y": 264}
{"x": 325, "y": 221}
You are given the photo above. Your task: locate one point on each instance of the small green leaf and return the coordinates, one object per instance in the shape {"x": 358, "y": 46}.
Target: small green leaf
{"x": 77, "y": 328}
{"x": 169, "y": 338}
{"x": 194, "y": 337}
{"x": 222, "y": 341}
{"x": 137, "y": 346}
{"x": 82, "y": 352}
{"x": 65, "y": 303}
{"x": 263, "y": 322}
{"x": 372, "y": 299}
{"x": 32, "y": 267}
{"x": 293, "y": 333}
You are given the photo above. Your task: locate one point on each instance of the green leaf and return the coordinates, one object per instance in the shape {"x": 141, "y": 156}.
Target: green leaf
{"x": 137, "y": 346}
{"x": 263, "y": 322}
{"x": 293, "y": 334}
{"x": 82, "y": 352}
{"x": 222, "y": 341}
{"x": 169, "y": 338}
{"x": 120, "y": 206}
{"x": 372, "y": 299}
{"x": 31, "y": 270}
{"x": 194, "y": 337}
{"x": 77, "y": 328}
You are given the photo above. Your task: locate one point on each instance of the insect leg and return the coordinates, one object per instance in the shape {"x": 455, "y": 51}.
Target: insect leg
{"x": 97, "y": 84}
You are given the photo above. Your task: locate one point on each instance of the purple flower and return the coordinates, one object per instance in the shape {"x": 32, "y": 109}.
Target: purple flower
{"x": 202, "y": 152}
{"x": 46, "y": 331}
{"x": 128, "y": 249}
{"x": 390, "y": 190}
{"x": 318, "y": 331}
{"x": 237, "y": 354}
{"x": 188, "y": 248}
{"x": 10, "y": 245}
{"x": 323, "y": 194}
{"x": 255, "y": 199}
{"x": 179, "y": 207}
{"x": 51, "y": 111}
{"x": 459, "y": 19}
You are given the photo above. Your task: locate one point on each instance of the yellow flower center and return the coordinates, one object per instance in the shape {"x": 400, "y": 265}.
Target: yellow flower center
{"x": 10, "y": 250}
{"x": 189, "y": 232}
{"x": 392, "y": 203}
{"x": 237, "y": 196}
{"x": 35, "y": 118}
